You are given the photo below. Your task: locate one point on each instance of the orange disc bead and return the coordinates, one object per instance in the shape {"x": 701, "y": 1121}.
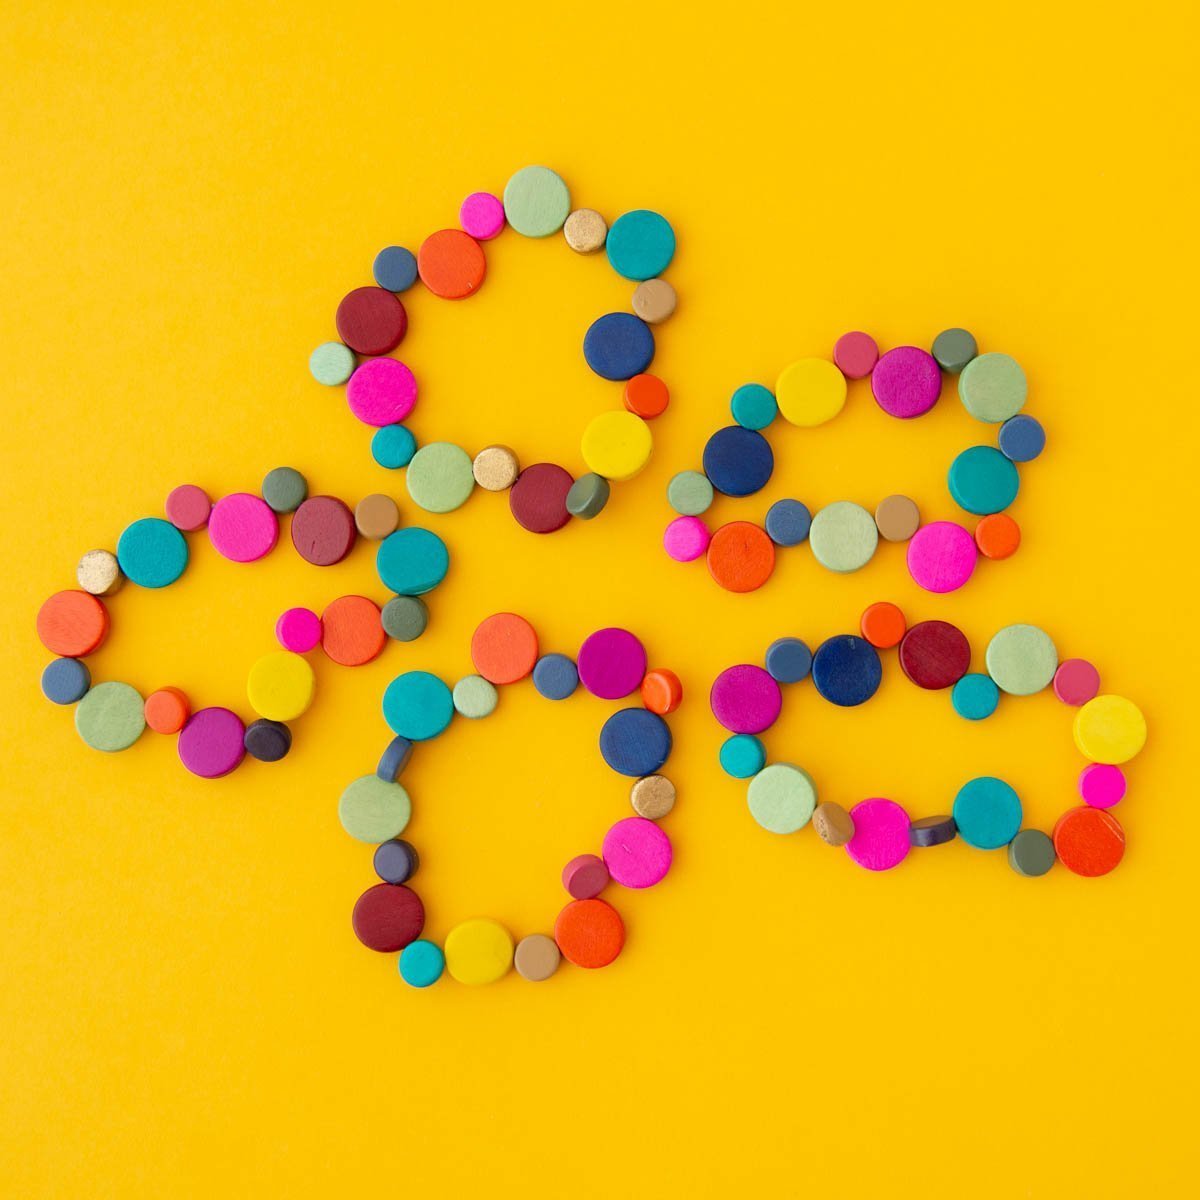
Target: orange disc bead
{"x": 662, "y": 692}
{"x": 1089, "y": 841}
{"x": 351, "y": 632}
{"x": 997, "y": 536}
{"x": 590, "y": 933}
{"x": 504, "y": 648}
{"x": 741, "y": 556}
{"x": 883, "y": 625}
{"x": 167, "y": 710}
{"x": 647, "y": 396}
{"x": 72, "y": 623}
{"x": 451, "y": 264}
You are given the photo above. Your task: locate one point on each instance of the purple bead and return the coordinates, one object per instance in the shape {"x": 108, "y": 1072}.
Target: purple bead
{"x": 906, "y": 382}
{"x": 745, "y": 699}
{"x": 212, "y": 743}
{"x": 612, "y": 663}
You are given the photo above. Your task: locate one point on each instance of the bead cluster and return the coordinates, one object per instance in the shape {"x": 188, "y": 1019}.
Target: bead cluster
{"x": 636, "y": 852}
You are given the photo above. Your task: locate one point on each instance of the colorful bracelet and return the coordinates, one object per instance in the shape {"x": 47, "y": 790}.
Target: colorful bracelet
{"x": 382, "y": 391}
{"x": 846, "y": 670}
{"x": 636, "y": 852}
{"x": 906, "y": 382}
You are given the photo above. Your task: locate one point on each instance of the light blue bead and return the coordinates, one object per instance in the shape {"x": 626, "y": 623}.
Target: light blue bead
{"x": 788, "y": 522}
{"x": 788, "y": 660}
{"x": 555, "y": 676}
{"x": 417, "y": 705}
{"x": 152, "y": 552}
{"x": 743, "y": 756}
{"x": 393, "y": 446}
{"x": 975, "y": 696}
{"x": 983, "y": 481}
{"x": 753, "y": 406}
{"x": 987, "y": 812}
{"x": 395, "y": 268}
{"x": 1021, "y": 438}
{"x": 421, "y": 963}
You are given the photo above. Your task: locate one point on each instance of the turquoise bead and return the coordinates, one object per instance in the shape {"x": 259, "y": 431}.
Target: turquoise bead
{"x": 412, "y": 561}
{"x": 987, "y": 812}
{"x": 393, "y": 446}
{"x": 983, "y": 481}
{"x": 417, "y": 706}
{"x": 421, "y": 963}
{"x": 975, "y": 696}
{"x": 640, "y": 244}
{"x": 743, "y": 756}
{"x": 753, "y": 406}
{"x": 152, "y": 552}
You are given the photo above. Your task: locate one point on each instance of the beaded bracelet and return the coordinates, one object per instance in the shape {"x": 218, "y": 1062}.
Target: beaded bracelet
{"x": 846, "y": 670}
{"x": 906, "y": 383}
{"x": 382, "y": 391}
{"x": 153, "y": 553}
{"x": 636, "y": 852}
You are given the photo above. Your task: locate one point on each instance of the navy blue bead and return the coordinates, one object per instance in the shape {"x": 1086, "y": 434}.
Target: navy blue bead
{"x": 1021, "y": 438}
{"x": 788, "y": 660}
{"x": 787, "y": 522}
{"x": 395, "y": 759}
{"x": 618, "y": 346}
{"x": 738, "y": 461}
{"x": 846, "y": 670}
{"x": 555, "y": 676}
{"x": 66, "y": 681}
{"x": 395, "y": 268}
{"x": 635, "y": 742}
{"x": 396, "y": 861}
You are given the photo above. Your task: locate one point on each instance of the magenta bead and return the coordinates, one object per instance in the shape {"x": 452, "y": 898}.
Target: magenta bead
{"x": 298, "y": 630}
{"x": 906, "y": 382}
{"x": 612, "y": 663}
{"x": 686, "y": 538}
{"x": 855, "y": 354}
{"x": 382, "y": 391}
{"x": 637, "y": 852}
{"x": 210, "y": 744}
{"x": 1076, "y": 681}
{"x": 1102, "y": 785}
{"x": 880, "y": 839}
{"x": 481, "y": 215}
{"x": 942, "y": 556}
{"x": 243, "y": 528}
{"x": 745, "y": 699}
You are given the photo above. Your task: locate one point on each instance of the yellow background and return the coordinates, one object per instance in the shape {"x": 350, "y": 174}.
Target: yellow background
{"x": 189, "y": 189}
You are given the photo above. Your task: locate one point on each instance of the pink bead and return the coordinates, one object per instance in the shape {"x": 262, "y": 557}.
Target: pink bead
{"x": 1102, "y": 785}
{"x": 855, "y": 354}
{"x": 636, "y": 852}
{"x": 382, "y": 391}
{"x": 686, "y": 538}
{"x": 481, "y": 215}
{"x": 942, "y": 556}
{"x": 1076, "y": 681}
{"x": 880, "y": 839}
{"x": 611, "y": 664}
{"x": 188, "y": 507}
{"x": 745, "y": 699}
{"x": 242, "y": 527}
{"x": 906, "y": 382}
{"x": 298, "y": 630}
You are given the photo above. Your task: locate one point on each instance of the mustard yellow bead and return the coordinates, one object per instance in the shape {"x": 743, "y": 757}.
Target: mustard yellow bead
{"x": 617, "y": 445}
{"x": 280, "y": 686}
{"x": 479, "y": 951}
{"x": 1110, "y": 729}
{"x": 810, "y": 391}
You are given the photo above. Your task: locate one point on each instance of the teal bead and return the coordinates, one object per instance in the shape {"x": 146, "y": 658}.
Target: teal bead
{"x": 417, "y": 706}
{"x": 152, "y": 552}
{"x": 987, "y": 812}
{"x": 640, "y": 244}
{"x": 753, "y": 406}
{"x": 983, "y": 481}
{"x": 412, "y": 561}
{"x": 393, "y": 446}
{"x": 743, "y": 756}
{"x": 975, "y": 696}
{"x": 421, "y": 963}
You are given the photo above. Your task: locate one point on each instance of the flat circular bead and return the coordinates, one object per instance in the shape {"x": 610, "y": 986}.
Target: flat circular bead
{"x": 788, "y": 522}
{"x": 616, "y": 445}
{"x": 585, "y": 230}
{"x": 538, "y": 500}
{"x": 187, "y": 507}
{"x": 880, "y": 840}
{"x": 1110, "y": 729}
{"x": 395, "y": 268}
{"x": 652, "y": 797}
{"x": 412, "y": 561}
{"x": 781, "y": 798}
{"x": 843, "y": 536}
{"x": 323, "y": 530}
{"x": 590, "y": 933}
{"x": 66, "y": 681}
{"x": 99, "y": 573}
{"x": 662, "y": 692}
{"x": 1102, "y": 785}
{"x": 1031, "y": 853}
{"x": 740, "y": 556}
{"x": 495, "y": 468}
{"x": 686, "y": 538}
{"x": 536, "y": 202}
{"x": 110, "y": 717}
{"x": 935, "y": 654}
{"x": 352, "y": 631}
{"x": 267, "y": 741}
{"x": 932, "y": 831}
{"x": 451, "y": 264}
{"x": 810, "y": 392}
{"x": 738, "y": 461}
{"x": 745, "y": 699}
{"x": 635, "y": 741}
{"x": 1022, "y": 659}
{"x": 298, "y": 630}
{"x": 587, "y": 496}
{"x": 242, "y": 527}
{"x": 998, "y": 536}
{"x": 478, "y": 951}
{"x": 1076, "y": 681}
{"x": 536, "y": 957}
{"x": 393, "y": 446}
{"x": 975, "y": 696}
{"x": 585, "y": 876}
{"x": 646, "y": 396}
{"x": 833, "y": 824}
{"x": 373, "y": 809}
{"x": 152, "y": 553}
{"x": 788, "y": 660}
{"x": 481, "y": 215}
{"x": 504, "y": 648}
{"x": 167, "y": 710}
{"x": 742, "y": 756}
{"x": 212, "y": 743}
{"x": 883, "y": 624}
{"x": 1021, "y": 438}
{"x": 72, "y": 624}
{"x": 983, "y": 481}
{"x": 987, "y": 812}
{"x": 371, "y": 320}
{"x": 388, "y": 917}
{"x": 332, "y": 363}
{"x": 376, "y": 516}
{"x": 440, "y": 477}
{"x": 855, "y": 354}
{"x": 637, "y": 853}
{"x": 906, "y": 382}
{"x": 555, "y": 676}
{"x": 953, "y": 349}
{"x": 897, "y": 518}
{"x": 1089, "y": 841}
{"x": 941, "y": 556}
{"x": 753, "y": 406}
{"x": 421, "y": 963}
{"x": 992, "y": 388}
{"x": 846, "y": 670}
{"x": 284, "y": 489}
{"x": 395, "y": 861}
{"x": 640, "y": 244}
{"x": 280, "y": 686}
{"x": 382, "y": 392}
{"x": 417, "y": 705}
{"x": 474, "y": 697}
{"x": 612, "y": 663}
{"x": 393, "y": 761}
{"x": 404, "y": 618}
{"x": 618, "y": 346}
{"x": 690, "y": 493}
{"x": 654, "y": 300}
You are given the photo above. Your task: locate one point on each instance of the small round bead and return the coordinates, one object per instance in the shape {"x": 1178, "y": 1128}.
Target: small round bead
{"x": 662, "y": 692}
{"x": 1102, "y": 785}
{"x": 652, "y": 797}
{"x": 856, "y": 354}
{"x": 975, "y": 696}
{"x": 395, "y": 861}
{"x": 392, "y": 446}
{"x": 495, "y": 468}
{"x": 555, "y": 676}
{"x": 587, "y": 496}
{"x": 1031, "y": 853}
{"x": 742, "y": 756}
{"x": 267, "y": 741}
{"x": 66, "y": 681}
{"x": 188, "y": 507}
{"x": 404, "y": 618}
{"x": 585, "y": 230}
{"x": 395, "y": 269}
{"x": 897, "y": 518}
{"x": 654, "y": 300}
{"x": 332, "y": 363}
{"x": 686, "y": 539}
{"x": 953, "y": 349}
{"x": 834, "y": 825}
{"x": 284, "y": 489}
{"x": 932, "y": 831}
{"x": 474, "y": 697}
{"x": 788, "y": 522}
{"x": 167, "y": 710}
{"x": 690, "y": 493}
{"x": 421, "y": 963}
{"x": 788, "y": 660}
{"x": 753, "y": 406}
{"x": 585, "y": 876}
{"x": 99, "y": 573}
{"x": 1021, "y": 438}
{"x": 536, "y": 957}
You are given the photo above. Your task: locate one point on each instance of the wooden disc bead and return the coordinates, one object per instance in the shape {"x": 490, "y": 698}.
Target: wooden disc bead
{"x": 590, "y": 933}
{"x": 536, "y": 957}
{"x": 585, "y": 231}
{"x": 352, "y": 631}
{"x": 652, "y": 797}
{"x": 585, "y": 876}
{"x": 99, "y": 574}
{"x": 376, "y": 516}
{"x": 495, "y": 468}
{"x": 167, "y": 710}
{"x": 833, "y": 823}
{"x": 323, "y": 530}
{"x": 897, "y": 518}
{"x": 654, "y": 300}
{"x": 72, "y": 624}
{"x": 935, "y": 654}
{"x": 662, "y": 692}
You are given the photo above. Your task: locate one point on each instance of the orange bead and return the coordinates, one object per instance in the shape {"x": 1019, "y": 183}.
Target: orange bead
{"x": 883, "y": 625}
{"x": 997, "y": 536}
{"x": 590, "y": 933}
{"x": 72, "y": 624}
{"x": 351, "y": 631}
{"x": 504, "y": 648}
{"x": 1089, "y": 841}
{"x": 167, "y": 710}
{"x": 741, "y": 556}
{"x": 647, "y": 396}
{"x": 451, "y": 264}
{"x": 662, "y": 692}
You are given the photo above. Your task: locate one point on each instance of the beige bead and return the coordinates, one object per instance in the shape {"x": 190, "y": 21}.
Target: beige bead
{"x": 654, "y": 300}
{"x": 652, "y": 796}
{"x": 897, "y": 518}
{"x": 496, "y": 468}
{"x": 376, "y": 516}
{"x": 536, "y": 957}
{"x": 585, "y": 231}
{"x": 833, "y": 823}
{"x": 99, "y": 573}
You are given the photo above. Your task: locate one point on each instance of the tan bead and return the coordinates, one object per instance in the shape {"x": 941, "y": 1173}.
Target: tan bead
{"x": 99, "y": 573}
{"x": 536, "y": 957}
{"x": 652, "y": 796}
{"x": 654, "y": 300}
{"x": 833, "y": 823}
{"x": 376, "y": 516}
{"x": 496, "y": 468}
{"x": 897, "y": 518}
{"x": 585, "y": 231}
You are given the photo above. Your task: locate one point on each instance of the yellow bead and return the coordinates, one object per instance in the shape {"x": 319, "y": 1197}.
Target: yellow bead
{"x": 1110, "y": 729}
{"x": 478, "y": 951}
{"x": 280, "y": 686}
{"x": 810, "y": 391}
{"x": 617, "y": 445}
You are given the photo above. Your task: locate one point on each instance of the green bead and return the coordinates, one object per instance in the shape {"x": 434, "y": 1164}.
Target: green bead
{"x": 440, "y": 477}
{"x": 331, "y": 363}
{"x": 782, "y": 798}
{"x": 1022, "y": 660}
{"x": 111, "y": 717}
{"x": 588, "y": 496}
{"x": 374, "y": 810}
{"x": 475, "y": 697}
{"x": 284, "y": 489}
{"x": 953, "y": 349}
{"x": 992, "y": 388}
{"x": 536, "y": 202}
{"x": 690, "y": 493}
{"x": 404, "y": 618}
